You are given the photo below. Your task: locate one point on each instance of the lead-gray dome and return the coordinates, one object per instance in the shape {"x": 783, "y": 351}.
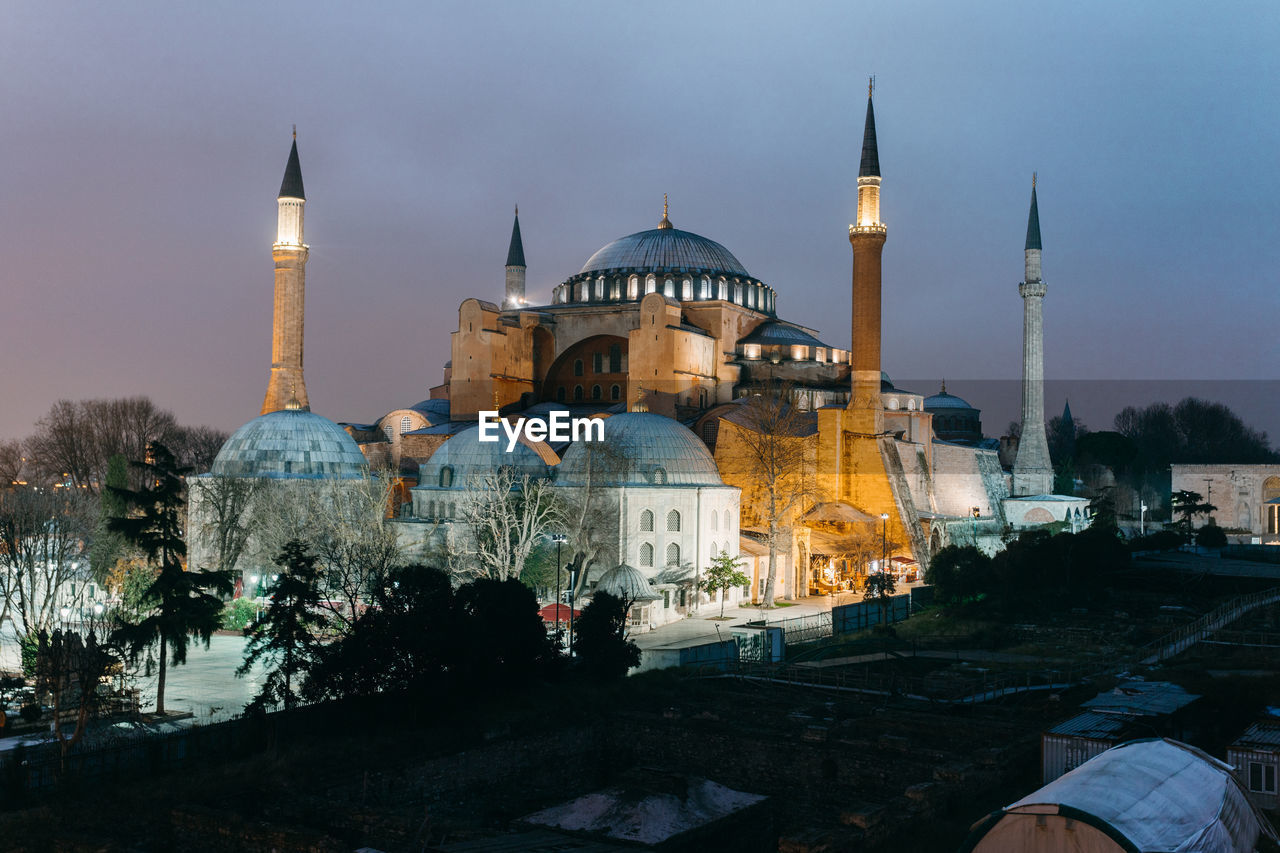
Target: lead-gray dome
{"x": 466, "y": 456}
{"x": 642, "y": 449}
{"x": 290, "y": 443}
{"x": 661, "y": 249}
{"x": 626, "y": 583}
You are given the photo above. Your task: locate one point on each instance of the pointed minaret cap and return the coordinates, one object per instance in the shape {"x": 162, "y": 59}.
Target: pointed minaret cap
{"x": 870, "y": 167}
{"x": 291, "y": 186}
{"x": 1033, "y": 219}
{"x": 515, "y": 252}
{"x": 665, "y": 223}
{"x": 1066, "y": 413}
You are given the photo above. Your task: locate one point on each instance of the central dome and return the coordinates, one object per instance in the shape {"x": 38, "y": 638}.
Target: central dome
{"x": 290, "y": 443}
{"x": 665, "y": 248}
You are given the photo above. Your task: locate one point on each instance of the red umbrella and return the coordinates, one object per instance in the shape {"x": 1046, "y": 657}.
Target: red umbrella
{"x": 551, "y": 612}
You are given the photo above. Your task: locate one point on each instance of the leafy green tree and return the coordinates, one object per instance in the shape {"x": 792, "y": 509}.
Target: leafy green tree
{"x": 959, "y": 573}
{"x": 184, "y": 604}
{"x": 1102, "y": 509}
{"x": 880, "y": 587}
{"x": 108, "y": 546}
{"x": 501, "y": 636}
{"x": 1188, "y": 505}
{"x": 286, "y": 636}
{"x": 404, "y": 643}
{"x": 603, "y": 650}
{"x": 723, "y": 574}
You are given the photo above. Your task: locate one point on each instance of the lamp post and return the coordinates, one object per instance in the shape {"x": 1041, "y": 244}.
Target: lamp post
{"x": 573, "y": 577}
{"x": 1142, "y": 521}
{"x": 253, "y": 579}
{"x": 559, "y": 539}
{"x": 884, "y": 539}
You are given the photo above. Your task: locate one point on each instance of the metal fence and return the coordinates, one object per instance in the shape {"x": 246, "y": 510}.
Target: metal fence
{"x": 1183, "y": 638}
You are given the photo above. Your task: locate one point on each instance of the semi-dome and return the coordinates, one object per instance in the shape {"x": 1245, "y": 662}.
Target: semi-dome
{"x": 290, "y": 443}
{"x": 626, "y": 583}
{"x": 642, "y": 449}
{"x": 464, "y": 456}
{"x": 661, "y": 249}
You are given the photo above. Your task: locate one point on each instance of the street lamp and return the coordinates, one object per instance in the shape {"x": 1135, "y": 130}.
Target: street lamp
{"x": 559, "y": 539}
{"x": 1142, "y": 521}
{"x": 884, "y": 539}
{"x": 573, "y": 574}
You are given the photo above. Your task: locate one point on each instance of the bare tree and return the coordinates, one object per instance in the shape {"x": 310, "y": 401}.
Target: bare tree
{"x": 73, "y": 442}
{"x": 507, "y": 514}
{"x": 12, "y": 462}
{"x": 589, "y": 509}
{"x": 196, "y": 447}
{"x": 43, "y": 562}
{"x": 69, "y": 670}
{"x": 342, "y": 522}
{"x": 769, "y": 459}
{"x": 223, "y": 518}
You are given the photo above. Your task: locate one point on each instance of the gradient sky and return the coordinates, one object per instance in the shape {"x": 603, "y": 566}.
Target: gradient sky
{"x": 143, "y": 147}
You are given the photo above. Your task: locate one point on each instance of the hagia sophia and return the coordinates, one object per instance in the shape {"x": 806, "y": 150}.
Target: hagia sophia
{"x": 669, "y": 337}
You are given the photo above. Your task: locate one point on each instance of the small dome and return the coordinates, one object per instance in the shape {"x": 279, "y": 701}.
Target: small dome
{"x": 626, "y": 583}
{"x": 468, "y": 457}
{"x": 943, "y": 400}
{"x": 643, "y": 449}
{"x": 290, "y": 443}
{"x": 665, "y": 248}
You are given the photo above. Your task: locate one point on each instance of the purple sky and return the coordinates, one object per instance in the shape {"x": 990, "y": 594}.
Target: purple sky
{"x": 143, "y": 149}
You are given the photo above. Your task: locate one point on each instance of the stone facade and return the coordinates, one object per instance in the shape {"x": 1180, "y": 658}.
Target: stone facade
{"x": 1247, "y": 497}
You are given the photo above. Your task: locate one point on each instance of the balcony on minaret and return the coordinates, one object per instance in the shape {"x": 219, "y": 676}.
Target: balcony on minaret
{"x": 868, "y": 206}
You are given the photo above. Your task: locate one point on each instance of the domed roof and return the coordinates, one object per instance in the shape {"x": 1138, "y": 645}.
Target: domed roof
{"x": 626, "y": 583}
{"x": 943, "y": 400}
{"x": 468, "y": 456}
{"x": 290, "y": 443}
{"x": 665, "y": 248}
{"x": 643, "y": 449}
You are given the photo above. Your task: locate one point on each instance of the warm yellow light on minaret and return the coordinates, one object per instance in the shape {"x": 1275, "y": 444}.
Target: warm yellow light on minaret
{"x": 869, "y": 202}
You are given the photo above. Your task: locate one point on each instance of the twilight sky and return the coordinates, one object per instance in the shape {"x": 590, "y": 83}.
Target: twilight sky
{"x": 143, "y": 146}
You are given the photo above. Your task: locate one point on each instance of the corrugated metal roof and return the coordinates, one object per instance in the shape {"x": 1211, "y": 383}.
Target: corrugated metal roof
{"x": 1260, "y": 736}
{"x": 1093, "y": 725}
{"x": 1142, "y": 698}
{"x": 665, "y": 249}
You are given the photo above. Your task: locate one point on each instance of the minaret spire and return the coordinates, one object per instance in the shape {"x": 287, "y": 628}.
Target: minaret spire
{"x": 514, "y": 299}
{"x": 286, "y": 387}
{"x": 1032, "y": 467}
{"x": 867, "y": 238}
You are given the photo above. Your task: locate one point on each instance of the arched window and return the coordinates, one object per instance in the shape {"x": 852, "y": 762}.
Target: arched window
{"x": 673, "y": 554}
{"x": 687, "y": 289}
{"x": 596, "y": 392}
{"x": 646, "y": 521}
{"x": 577, "y": 393}
{"x": 668, "y": 288}
{"x": 388, "y": 430}
{"x": 673, "y": 521}
{"x": 633, "y": 287}
{"x": 615, "y": 288}
{"x": 911, "y": 405}
{"x": 659, "y": 476}
{"x": 646, "y": 555}
{"x": 615, "y": 393}
{"x": 582, "y": 290}
{"x": 405, "y": 423}
{"x": 893, "y": 404}
{"x": 728, "y": 522}
{"x": 704, "y": 290}
{"x": 600, "y": 287}
{"x": 715, "y": 521}
{"x": 577, "y": 367}
{"x": 650, "y": 284}
{"x": 560, "y": 394}
{"x": 446, "y": 477}
{"x": 722, "y": 289}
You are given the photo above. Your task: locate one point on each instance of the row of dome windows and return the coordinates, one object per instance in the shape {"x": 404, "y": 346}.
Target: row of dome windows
{"x": 894, "y": 404}
{"x": 755, "y": 296}
{"x": 673, "y": 554}
{"x": 796, "y": 352}
{"x": 673, "y": 521}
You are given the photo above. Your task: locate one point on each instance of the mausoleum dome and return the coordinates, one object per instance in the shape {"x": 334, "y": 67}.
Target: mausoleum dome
{"x": 642, "y": 449}
{"x": 464, "y": 457}
{"x": 290, "y": 443}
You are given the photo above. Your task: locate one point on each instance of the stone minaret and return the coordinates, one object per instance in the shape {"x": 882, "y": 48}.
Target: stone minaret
{"x": 1032, "y": 468}
{"x": 286, "y": 386}
{"x": 867, "y": 238}
{"x": 514, "y": 299}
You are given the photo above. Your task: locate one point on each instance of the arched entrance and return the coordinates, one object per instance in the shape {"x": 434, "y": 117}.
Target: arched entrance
{"x": 594, "y": 370}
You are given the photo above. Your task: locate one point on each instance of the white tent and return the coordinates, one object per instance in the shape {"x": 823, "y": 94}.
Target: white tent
{"x": 1140, "y": 796}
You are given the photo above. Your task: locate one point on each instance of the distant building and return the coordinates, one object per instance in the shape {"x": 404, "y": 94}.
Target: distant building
{"x": 1255, "y": 755}
{"x": 1247, "y": 497}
